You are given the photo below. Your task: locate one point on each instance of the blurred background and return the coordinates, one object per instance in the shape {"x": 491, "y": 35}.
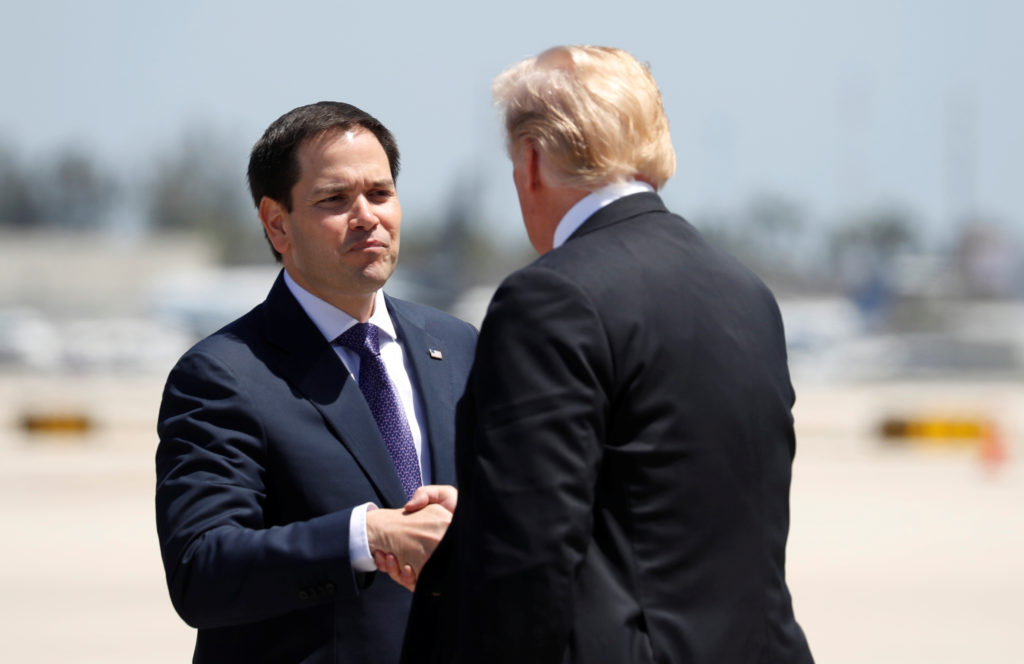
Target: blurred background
{"x": 866, "y": 158}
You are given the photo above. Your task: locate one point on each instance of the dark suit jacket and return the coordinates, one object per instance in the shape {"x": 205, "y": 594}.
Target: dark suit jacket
{"x": 623, "y": 451}
{"x": 266, "y": 445}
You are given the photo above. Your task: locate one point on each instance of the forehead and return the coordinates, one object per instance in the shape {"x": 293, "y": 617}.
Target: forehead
{"x": 335, "y": 149}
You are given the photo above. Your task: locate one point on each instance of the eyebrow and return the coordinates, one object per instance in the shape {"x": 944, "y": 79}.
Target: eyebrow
{"x": 342, "y": 188}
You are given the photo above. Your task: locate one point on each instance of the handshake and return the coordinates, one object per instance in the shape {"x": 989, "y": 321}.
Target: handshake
{"x": 402, "y": 540}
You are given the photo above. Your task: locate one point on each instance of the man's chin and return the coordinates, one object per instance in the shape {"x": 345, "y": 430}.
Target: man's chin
{"x": 376, "y": 274}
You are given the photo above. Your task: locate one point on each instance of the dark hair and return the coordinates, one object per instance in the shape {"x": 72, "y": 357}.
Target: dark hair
{"x": 273, "y": 163}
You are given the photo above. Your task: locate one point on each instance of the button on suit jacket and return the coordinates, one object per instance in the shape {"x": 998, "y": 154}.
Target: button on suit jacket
{"x": 266, "y": 445}
{"x": 624, "y": 452}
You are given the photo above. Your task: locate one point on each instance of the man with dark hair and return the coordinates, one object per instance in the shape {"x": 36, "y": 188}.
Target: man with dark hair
{"x": 273, "y": 169}
{"x": 291, "y": 439}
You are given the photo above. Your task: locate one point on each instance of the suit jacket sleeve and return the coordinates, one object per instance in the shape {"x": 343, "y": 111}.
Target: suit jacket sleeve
{"x": 530, "y": 445}
{"x": 225, "y": 564}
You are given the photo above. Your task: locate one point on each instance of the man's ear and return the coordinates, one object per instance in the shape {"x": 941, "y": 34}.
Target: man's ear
{"x": 531, "y": 159}
{"x": 273, "y": 216}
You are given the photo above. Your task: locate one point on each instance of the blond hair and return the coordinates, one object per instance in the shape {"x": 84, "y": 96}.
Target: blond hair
{"x": 594, "y": 112}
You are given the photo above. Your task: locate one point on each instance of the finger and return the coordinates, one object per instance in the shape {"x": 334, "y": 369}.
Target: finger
{"x": 403, "y": 575}
{"x": 380, "y": 560}
{"x": 391, "y": 565}
{"x": 430, "y": 494}
{"x": 444, "y": 495}
{"x": 407, "y": 577}
{"x": 451, "y": 498}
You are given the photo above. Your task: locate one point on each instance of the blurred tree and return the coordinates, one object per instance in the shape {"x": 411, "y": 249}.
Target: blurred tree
{"x": 863, "y": 251}
{"x": 771, "y": 236}
{"x": 775, "y": 221}
{"x": 781, "y": 247}
{"x": 69, "y": 191}
{"x": 883, "y": 233}
{"x": 863, "y": 248}
{"x": 449, "y": 255}
{"x": 73, "y": 192}
{"x": 199, "y": 186}
{"x": 18, "y": 207}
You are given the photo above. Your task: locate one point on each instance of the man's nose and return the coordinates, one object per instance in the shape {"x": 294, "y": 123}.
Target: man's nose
{"x": 363, "y": 216}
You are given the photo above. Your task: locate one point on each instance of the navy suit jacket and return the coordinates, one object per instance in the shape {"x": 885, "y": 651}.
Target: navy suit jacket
{"x": 623, "y": 453}
{"x": 266, "y": 445}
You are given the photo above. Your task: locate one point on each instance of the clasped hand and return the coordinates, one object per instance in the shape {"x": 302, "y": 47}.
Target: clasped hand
{"x": 402, "y": 540}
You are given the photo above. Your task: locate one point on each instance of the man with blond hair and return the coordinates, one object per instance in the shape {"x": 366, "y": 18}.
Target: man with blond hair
{"x": 625, "y": 443}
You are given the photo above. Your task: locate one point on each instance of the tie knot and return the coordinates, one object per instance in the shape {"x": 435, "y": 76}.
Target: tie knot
{"x": 361, "y": 338}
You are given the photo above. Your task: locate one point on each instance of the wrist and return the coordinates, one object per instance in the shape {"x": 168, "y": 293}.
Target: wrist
{"x": 360, "y": 554}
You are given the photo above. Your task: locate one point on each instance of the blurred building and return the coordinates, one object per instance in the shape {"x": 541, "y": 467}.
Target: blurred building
{"x": 95, "y": 301}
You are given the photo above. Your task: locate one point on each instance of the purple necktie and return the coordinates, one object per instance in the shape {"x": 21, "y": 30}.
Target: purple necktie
{"x": 382, "y": 398}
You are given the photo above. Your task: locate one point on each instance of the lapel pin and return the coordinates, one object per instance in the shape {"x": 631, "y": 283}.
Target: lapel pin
{"x": 435, "y": 354}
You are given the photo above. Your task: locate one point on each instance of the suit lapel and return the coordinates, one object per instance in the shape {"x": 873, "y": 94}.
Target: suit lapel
{"x": 309, "y": 363}
{"x": 432, "y": 377}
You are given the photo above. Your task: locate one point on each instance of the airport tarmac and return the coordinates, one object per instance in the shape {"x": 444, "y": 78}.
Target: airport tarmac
{"x": 899, "y": 553}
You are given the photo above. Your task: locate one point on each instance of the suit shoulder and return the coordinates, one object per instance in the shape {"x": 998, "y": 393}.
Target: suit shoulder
{"x": 232, "y": 342}
{"x": 551, "y": 287}
{"x": 555, "y": 267}
{"x": 573, "y": 270}
{"x": 656, "y": 247}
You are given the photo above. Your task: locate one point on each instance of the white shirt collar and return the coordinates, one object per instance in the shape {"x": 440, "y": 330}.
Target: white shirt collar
{"x": 332, "y": 321}
{"x": 593, "y": 202}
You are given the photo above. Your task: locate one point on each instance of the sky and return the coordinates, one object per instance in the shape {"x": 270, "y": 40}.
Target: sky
{"x": 844, "y": 107}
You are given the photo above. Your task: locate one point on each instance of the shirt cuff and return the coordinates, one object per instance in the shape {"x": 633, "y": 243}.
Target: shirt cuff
{"x": 358, "y": 543}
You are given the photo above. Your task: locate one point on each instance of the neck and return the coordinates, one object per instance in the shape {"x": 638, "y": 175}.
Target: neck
{"x": 563, "y": 199}
{"x": 543, "y": 218}
{"x": 357, "y": 305}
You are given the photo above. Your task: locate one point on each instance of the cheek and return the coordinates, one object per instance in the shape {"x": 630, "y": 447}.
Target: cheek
{"x": 395, "y": 238}
{"x": 393, "y": 222}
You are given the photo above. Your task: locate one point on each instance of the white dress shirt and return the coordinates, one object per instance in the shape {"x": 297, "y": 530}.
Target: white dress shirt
{"x": 332, "y": 322}
{"x": 593, "y": 202}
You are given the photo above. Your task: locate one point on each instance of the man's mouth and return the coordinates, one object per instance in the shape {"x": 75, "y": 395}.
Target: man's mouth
{"x": 368, "y": 244}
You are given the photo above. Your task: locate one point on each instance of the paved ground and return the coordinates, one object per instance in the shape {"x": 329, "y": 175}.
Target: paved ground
{"x": 898, "y": 554}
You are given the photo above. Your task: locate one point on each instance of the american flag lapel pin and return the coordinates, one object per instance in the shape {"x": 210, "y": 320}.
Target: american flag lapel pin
{"x": 435, "y": 354}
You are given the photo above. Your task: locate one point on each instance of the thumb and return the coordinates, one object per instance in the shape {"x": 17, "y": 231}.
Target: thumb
{"x": 420, "y": 499}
